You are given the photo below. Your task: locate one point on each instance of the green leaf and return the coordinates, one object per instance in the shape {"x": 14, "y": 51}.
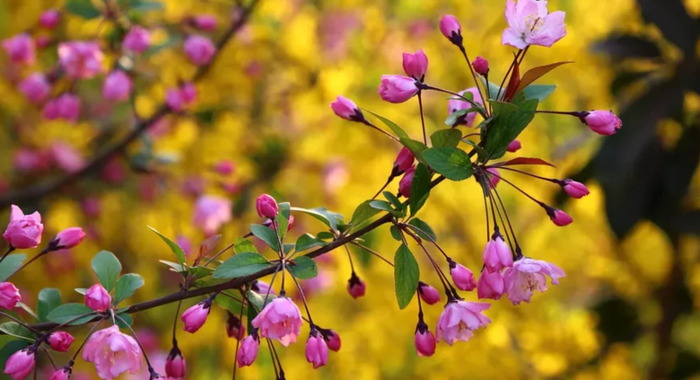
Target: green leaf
{"x": 422, "y": 229}
{"x": 70, "y": 311}
{"x": 126, "y": 286}
{"x": 228, "y": 303}
{"x": 252, "y": 312}
{"x": 329, "y": 218}
{"x": 395, "y": 233}
{"x": 385, "y": 206}
{"x": 493, "y": 90}
{"x": 125, "y": 320}
{"x": 394, "y": 200}
{"x": 307, "y": 241}
{"x": 453, "y": 163}
{"x": 266, "y": 234}
{"x": 240, "y": 265}
{"x": 454, "y": 116}
{"x": 145, "y": 6}
{"x": 304, "y": 269}
{"x": 393, "y": 126}
{"x": 244, "y": 245}
{"x": 287, "y": 247}
{"x": 177, "y": 250}
{"x": 446, "y": 138}
{"x": 175, "y": 267}
{"x": 508, "y": 122}
{"x": 49, "y": 299}
{"x": 258, "y": 299}
{"x": 17, "y": 330}
{"x": 10, "y": 265}
{"x": 107, "y": 268}
{"x": 82, "y": 8}
{"x": 282, "y": 218}
{"x": 482, "y": 154}
{"x": 325, "y": 235}
{"x": 420, "y": 188}
{"x": 416, "y": 147}
{"x": 537, "y": 91}
{"x": 363, "y": 213}
{"x": 406, "y": 274}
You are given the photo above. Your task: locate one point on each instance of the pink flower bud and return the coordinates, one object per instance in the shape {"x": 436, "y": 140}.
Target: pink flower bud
{"x": 20, "y": 364}
{"x": 23, "y": 231}
{"x": 224, "y": 167}
{"x": 35, "y": 88}
{"x": 332, "y": 340}
{"x": 20, "y": 49}
{"x": 80, "y": 59}
{"x": 490, "y": 285}
{"x": 574, "y": 189}
{"x": 69, "y": 238}
{"x": 204, "y": 22}
{"x": 346, "y": 109}
{"x": 200, "y": 50}
{"x": 602, "y": 122}
{"x": 456, "y": 104}
{"x": 404, "y": 160}
{"x": 497, "y": 254}
{"x": 117, "y": 86}
{"x": 262, "y": 288}
{"x": 428, "y": 294}
{"x": 66, "y": 106}
{"x": 397, "y": 88}
{"x": 97, "y": 298}
{"x": 234, "y": 327}
{"x": 188, "y": 91}
{"x": 415, "y": 65}
{"x": 424, "y": 340}
{"x": 9, "y": 295}
{"x": 175, "y": 365}
{"x": 406, "y": 181}
{"x": 61, "y": 374}
{"x": 50, "y": 18}
{"x": 248, "y": 350}
{"x": 60, "y": 341}
{"x": 462, "y": 276}
{"x": 137, "y": 40}
{"x": 559, "y": 217}
{"x": 514, "y": 146}
{"x": 494, "y": 177}
{"x": 195, "y": 316}
{"x": 173, "y": 98}
{"x": 266, "y": 206}
{"x": 481, "y": 65}
{"x": 356, "y": 287}
{"x": 450, "y": 28}
{"x": 316, "y": 350}
{"x": 43, "y": 41}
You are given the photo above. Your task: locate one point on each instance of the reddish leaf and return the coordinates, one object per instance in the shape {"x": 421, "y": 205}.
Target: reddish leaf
{"x": 536, "y": 73}
{"x": 514, "y": 81}
{"x": 524, "y": 161}
{"x": 207, "y": 247}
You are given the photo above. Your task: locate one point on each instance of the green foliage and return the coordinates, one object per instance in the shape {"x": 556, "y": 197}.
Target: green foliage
{"x": 282, "y": 219}
{"x": 307, "y": 241}
{"x": 422, "y": 229}
{"x": 453, "y": 163}
{"x": 509, "y": 120}
{"x": 107, "y": 268}
{"x": 420, "y": 188}
{"x": 303, "y": 268}
{"x": 126, "y": 286}
{"x": 267, "y": 235}
{"x": 329, "y": 218}
{"x": 241, "y": 264}
{"x": 18, "y": 331}
{"x": 406, "y": 274}
{"x": 393, "y": 126}
{"x": 49, "y": 299}
{"x": 177, "y": 250}
{"x": 10, "y": 265}
{"x": 82, "y": 8}
{"x": 70, "y": 312}
{"x": 446, "y": 138}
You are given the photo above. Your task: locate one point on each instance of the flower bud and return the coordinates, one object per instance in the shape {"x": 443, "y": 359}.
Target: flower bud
{"x": 20, "y": 364}
{"x": 602, "y": 122}
{"x": 23, "y": 231}
{"x": 493, "y": 176}
{"x": 450, "y": 28}
{"x": 415, "y": 65}
{"x": 462, "y": 276}
{"x": 234, "y": 327}
{"x": 397, "y": 88}
{"x": 97, "y": 298}
{"x": 497, "y": 254}
{"x": 66, "y": 106}
{"x": 68, "y": 238}
{"x": 403, "y": 161}
{"x": 35, "y": 88}
{"x": 428, "y": 294}
{"x": 406, "y": 181}
{"x": 20, "y": 49}
{"x": 266, "y": 206}
{"x": 137, "y": 39}
{"x": 514, "y": 146}
{"x": 356, "y": 287}
{"x": 61, "y": 374}
{"x": 316, "y": 350}
{"x": 224, "y": 167}
{"x": 574, "y": 189}
{"x": 204, "y": 23}
{"x": 248, "y": 350}
{"x": 188, "y": 92}
{"x": 49, "y": 19}
{"x": 9, "y": 295}
{"x": 559, "y": 217}
{"x": 175, "y": 365}
{"x": 490, "y": 285}
{"x": 60, "y": 341}
{"x": 262, "y": 288}
{"x": 117, "y": 86}
{"x": 424, "y": 340}
{"x": 195, "y": 316}
{"x": 346, "y": 109}
{"x": 200, "y": 50}
{"x": 481, "y": 65}
{"x": 332, "y": 340}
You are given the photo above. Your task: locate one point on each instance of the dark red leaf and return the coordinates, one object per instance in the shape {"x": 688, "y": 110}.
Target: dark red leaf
{"x": 524, "y": 161}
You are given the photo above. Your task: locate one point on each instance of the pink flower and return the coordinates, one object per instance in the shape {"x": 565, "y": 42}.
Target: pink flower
{"x": 204, "y": 22}
{"x": 266, "y": 206}
{"x": 456, "y": 104}
{"x": 61, "y": 374}
{"x": 248, "y": 350}
{"x": 112, "y": 352}
{"x": 397, "y": 88}
{"x": 406, "y": 181}
{"x": 356, "y": 287}
{"x": 66, "y": 157}
{"x": 200, "y": 50}
{"x": 69, "y": 238}
{"x": 35, "y": 88}
{"x": 494, "y": 177}
{"x": 188, "y": 92}
{"x": 20, "y": 48}
{"x": 175, "y": 365}
{"x": 450, "y": 28}
{"x": 346, "y": 109}
{"x": 481, "y": 65}
{"x": 97, "y": 298}
{"x": 50, "y": 18}
{"x": 23, "y": 231}
{"x": 530, "y": 23}
{"x": 66, "y": 106}
{"x": 280, "y": 319}
{"x": 195, "y": 316}
{"x": 80, "y": 59}
{"x": 403, "y": 161}
{"x": 459, "y": 320}
{"x": 514, "y": 146}
{"x": 490, "y": 285}
{"x": 224, "y": 167}
{"x": 574, "y": 189}
{"x": 528, "y": 275}
{"x": 332, "y": 340}
{"x": 211, "y": 212}
{"x": 137, "y": 40}
{"x": 9, "y": 295}
{"x": 117, "y": 86}
{"x": 20, "y": 364}
{"x": 496, "y": 254}
{"x": 415, "y": 65}
{"x": 424, "y": 340}
{"x": 30, "y": 160}
{"x": 234, "y": 327}
{"x": 462, "y": 276}
{"x": 60, "y": 341}
{"x": 558, "y": 217}
{"x": 602, "y": 122}
{"x": 428, "y": 294}
{"x": 316, "y": 350}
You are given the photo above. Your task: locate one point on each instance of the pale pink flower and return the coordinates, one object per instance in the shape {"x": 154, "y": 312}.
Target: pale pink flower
{"x": 23, "y": 231}
{"x": 346, "y": 109}
{"x": 397, "y": 88}
{"x": 455, "y": 104}
{"x": 50, "y": 18}
{"x": 490, "y": 285}
{"x": 462, "y": 276}
{"x": 530, "y": 23}
{"x": 459, "y": 320}
{"x": 97, "y": 298}
{"x": 280, "y": 319}
{"x": 200, "y": 50}
{"x": 137, "y": 39}
{"x": 66, "y": 106}
{"x": 117, "y": 86}
{"x": 60, "y": 340}
{"x": 211, "y": 212}
{"x": 20, "y": 49}
{"x": 35, "y": 88}
{"x": 406, "y": 182}
{"x": 112, "y": 352}
{"x": 80, "y": 59}
{"x": 574, "y": 189}
{"x": 316, "y": 350}
{"x": 66, "y": 157}
{"x": 527, "y": 275}
{"x": 415, "y": 65}
{"x": 497, "y": 254}
{"x": 266, "y": 206}
{"x": 403, "y": 161}
{"x": 602, "y": 122}
{"x": 9, "y": 295}
{"x": 20, "y": 364}
{"x": 248, "y": 350}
